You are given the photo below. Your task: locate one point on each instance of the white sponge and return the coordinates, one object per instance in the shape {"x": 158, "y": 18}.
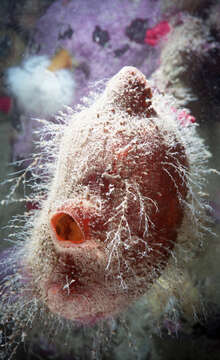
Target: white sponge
{"x": 38, "y": 90}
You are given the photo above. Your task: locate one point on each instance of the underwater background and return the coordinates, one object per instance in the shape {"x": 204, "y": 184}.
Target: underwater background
{"x": 102, "y": 37}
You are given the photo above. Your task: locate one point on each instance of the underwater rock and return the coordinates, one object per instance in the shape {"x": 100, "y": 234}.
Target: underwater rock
{"x": 111, "y": 37}
{"x": 189, "y": 63}
{"x": 183, "y": 5}
{"x": 119, "y": 204}
{"x": 108, "y": 27}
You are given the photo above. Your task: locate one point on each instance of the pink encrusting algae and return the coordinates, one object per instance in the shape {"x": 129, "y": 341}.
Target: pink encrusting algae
{"x": 122, "y": 201}
{"x": 157, "y": 33}
{"x": 5, "y": 104}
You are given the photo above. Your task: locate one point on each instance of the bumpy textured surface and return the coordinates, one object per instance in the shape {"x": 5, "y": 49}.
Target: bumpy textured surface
{"x": 118, "y": 207}
{"x": 111, "y": 181}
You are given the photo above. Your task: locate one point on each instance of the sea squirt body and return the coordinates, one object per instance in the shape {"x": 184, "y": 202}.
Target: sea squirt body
{"x": 114, "y": 207}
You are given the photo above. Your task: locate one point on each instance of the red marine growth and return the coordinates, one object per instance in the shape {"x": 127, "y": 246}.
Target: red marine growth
{"x": 154, "y": 35}
{"x": 118, "y": 202}
{"x": 119, "y": 222}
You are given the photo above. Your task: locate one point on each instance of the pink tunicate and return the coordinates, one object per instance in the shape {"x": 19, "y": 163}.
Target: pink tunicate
{"x": 184, "y": 117}
{"x": 155, "y": 34}
{"x": 5, "y": 104}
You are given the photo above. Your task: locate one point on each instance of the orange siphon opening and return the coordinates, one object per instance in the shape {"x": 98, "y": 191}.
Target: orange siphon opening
{"x": 66, "y": 228}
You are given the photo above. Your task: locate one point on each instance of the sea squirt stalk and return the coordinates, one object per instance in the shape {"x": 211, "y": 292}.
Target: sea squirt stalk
{"x": 119, "y": 200}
